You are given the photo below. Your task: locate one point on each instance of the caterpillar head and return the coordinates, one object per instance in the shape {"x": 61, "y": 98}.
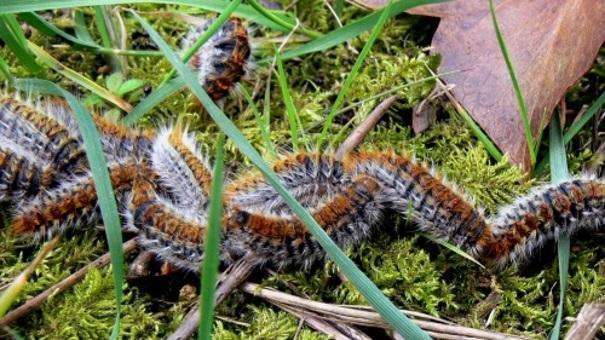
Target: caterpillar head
{"x": 223, "y": 60}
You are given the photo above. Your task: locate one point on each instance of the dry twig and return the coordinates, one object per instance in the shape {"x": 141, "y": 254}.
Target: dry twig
{"x": 229, "y": 280}
{"x": 362, "y": 130}
{"x": 358, "y": 316}
{"x": 338, "y": 332}
{"x": 590, "y": 319}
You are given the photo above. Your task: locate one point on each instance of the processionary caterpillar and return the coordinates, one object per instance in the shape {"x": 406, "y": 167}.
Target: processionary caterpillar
{"x": 161, "y": 180}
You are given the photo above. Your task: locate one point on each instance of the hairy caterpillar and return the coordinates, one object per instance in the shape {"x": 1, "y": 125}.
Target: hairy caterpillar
{"x": 162, "y": 182}
{"x": 224, "y": 59}
{"x": 41, "y": 148}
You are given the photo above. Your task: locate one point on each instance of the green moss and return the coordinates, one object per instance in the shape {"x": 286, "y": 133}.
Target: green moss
{"x": 72, "y": 252}
{"x": 266, "y": 323}
{"x": 408, "y": 276}
{"x": 89, "y": 310}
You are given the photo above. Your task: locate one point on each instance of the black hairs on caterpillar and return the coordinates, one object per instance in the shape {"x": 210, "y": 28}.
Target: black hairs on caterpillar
{"x": 162, "y": 180}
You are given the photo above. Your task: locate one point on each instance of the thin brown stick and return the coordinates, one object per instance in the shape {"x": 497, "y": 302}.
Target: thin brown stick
{"x": 315, "y": 321}
{"x": 362, "y": 130}
{"x": 317, "y": 324}
{"x": 360, "y": 317}
{"x": 229, "y": 280}
{"x": 36, "y": 302}
{"x": 140, "y": 265}
{"x": 328, "y": 327}
{"x": 590, "y": 319}
{"x": 358, "y": 313}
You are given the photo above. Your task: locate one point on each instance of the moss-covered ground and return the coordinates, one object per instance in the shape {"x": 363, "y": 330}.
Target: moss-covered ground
{"x": 413, "y": 271}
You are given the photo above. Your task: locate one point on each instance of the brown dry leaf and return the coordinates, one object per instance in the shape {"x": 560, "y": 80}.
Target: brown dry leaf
{"x": 552, "y": 43}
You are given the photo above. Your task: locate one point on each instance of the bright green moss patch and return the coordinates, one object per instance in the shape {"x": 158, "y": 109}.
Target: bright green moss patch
{"x": 89, "y": 310}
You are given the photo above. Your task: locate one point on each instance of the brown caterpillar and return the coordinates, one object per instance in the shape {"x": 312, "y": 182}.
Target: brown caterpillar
{"x": 224, "y": 59}
{"x": 162, "y": 181}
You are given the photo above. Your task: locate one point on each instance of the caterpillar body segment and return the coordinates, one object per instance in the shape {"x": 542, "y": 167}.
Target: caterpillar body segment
{"x": 283, "y": 239}
{"x": 309, "y": 178}
{"x": 223, "y": 60}
{"x": 165, "y": 229}
{"x": 412, "y": 189}
{"x": 36, "y": 136}
{"x": 176, "y": 157}
{"x": 34, "y": 131}
{"x": 70, "y": 205}
{"x": 524, "y": 226}
{"x": 21, "y": 174}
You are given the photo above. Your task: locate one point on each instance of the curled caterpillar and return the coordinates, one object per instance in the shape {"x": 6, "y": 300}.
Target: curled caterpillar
{"x": 224, "y": 59}
{"x": 161, "y": 180}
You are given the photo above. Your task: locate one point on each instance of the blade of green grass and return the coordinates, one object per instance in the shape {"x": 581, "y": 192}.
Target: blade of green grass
{"x": 531, "y": 144}
{"x": 156, "y": 97}
{"x": 101, "y": 23}
{"x": 575, "y": 128}
{"x": 49, "y": 29}
{"x": 244, "y": 11}
{"x": 559, "y": 173}
{"x": 452, "y": 247}
{"x": 339, "y": 6}
{"x": 76, "y": 77}
{"x": 491, "y": 148}
{"x": 208, "y": 33}
{"x": 344, "y": 90}
{"x": 263, "y": 124}
{"x": 210, "y": 264}
{"x": 367, "y": 288}
{"x": 12, "y": 34}
{"x": 80, "y": 29}
{"x": 586, "y": 117}
{"x": 267, "y": 102}
{"x": 271, "y": 15}
{"x": 290, "y": 108}
{"x": 353, "y": 29}
{"x": 109, "y": 36}
{"x": 100, "y": 174}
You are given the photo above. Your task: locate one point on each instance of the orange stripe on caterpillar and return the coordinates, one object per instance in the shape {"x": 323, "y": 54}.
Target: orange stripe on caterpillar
{"x": 197, "y": 167}
{"x": 149, "y": 213}
{"x": 346, "y": 198}
{"x": 522, "y": 227}
{"x": 224, "y": 59}
{"x": 331, "y": 215}
{"x": 40, "y": 134}
{"x": 64, "y": 206}
{"x": 21, "y": 177}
